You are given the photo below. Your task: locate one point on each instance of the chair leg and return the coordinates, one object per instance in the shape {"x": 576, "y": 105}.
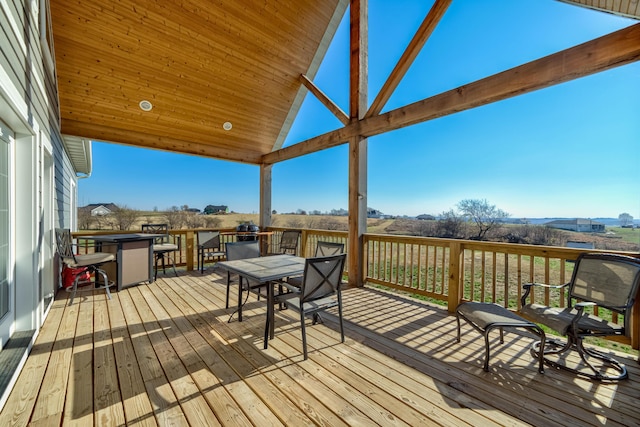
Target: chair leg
{"x": 173, "y": 264}
{"x": 75, "y": 289}
{"x": 304, "y": 333}
{"x": 575, "y": 343}
{"x": 105, "y": 281}
{"x": 341, "y": 322}
{"x": 228, "y": 286}
{"x": 155, "y": 267}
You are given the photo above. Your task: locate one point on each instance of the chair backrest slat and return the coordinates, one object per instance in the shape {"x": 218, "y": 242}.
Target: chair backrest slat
{"x": 242, "y": 250}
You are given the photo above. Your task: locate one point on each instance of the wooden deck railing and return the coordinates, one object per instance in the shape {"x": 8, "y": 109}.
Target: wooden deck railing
{"x": 444, "y": 270}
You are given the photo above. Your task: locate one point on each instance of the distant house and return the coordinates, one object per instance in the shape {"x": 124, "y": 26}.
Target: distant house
{"x": 580, "y": 224}
{"x": 426, "y": 217}
{"x": 216, "y": 209}
{"x": 374, "y": 213}
{"x": 101, "y": 209}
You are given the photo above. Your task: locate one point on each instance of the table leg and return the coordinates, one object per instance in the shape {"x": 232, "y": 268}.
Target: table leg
{"x": 239, "y": 298}
{"x": 268, "y": 330}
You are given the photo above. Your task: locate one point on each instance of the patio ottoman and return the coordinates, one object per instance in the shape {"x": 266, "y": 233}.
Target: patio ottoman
{"x": 485, "y": 316}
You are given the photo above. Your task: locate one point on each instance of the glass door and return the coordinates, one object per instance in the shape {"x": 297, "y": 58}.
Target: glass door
{"x": 47, "y": 282}
{"x": 7, "y": 308}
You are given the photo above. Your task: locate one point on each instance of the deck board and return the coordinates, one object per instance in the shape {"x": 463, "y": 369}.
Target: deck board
{"x": 164, "y": 354}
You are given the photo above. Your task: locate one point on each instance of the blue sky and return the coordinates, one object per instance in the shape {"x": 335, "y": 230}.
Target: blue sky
{"x": 571, "y": 150}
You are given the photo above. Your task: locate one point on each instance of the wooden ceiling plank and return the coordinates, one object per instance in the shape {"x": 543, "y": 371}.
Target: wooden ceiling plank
{"x": 409, "y": 55}
{"x": 606, "y": 52}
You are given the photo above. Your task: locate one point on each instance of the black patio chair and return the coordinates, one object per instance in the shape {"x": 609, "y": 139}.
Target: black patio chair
{"x": 320, "y": 291}
{"x": 236, "y": 251}
{"x": 322, "y": 249}
{"x": 163, "y": 246}
{"x": 606, "y": 281}
{"x": 208, "y": 247}
{"x": 288, "y": 242}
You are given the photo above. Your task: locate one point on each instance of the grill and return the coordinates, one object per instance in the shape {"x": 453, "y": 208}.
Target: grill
{"x": 247, "y": 232}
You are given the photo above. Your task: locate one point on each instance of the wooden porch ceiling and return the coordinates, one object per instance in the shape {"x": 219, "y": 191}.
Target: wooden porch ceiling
{"x": 250, "y": 63}
{"x": 200, "y": 64}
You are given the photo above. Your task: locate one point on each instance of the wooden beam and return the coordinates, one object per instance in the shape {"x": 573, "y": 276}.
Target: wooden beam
{"x": 411, "y": 52}
{"x": 146, "y": 140}
{"x": 612, "y": 50}
{"x": 358, "y": 59}
{"x": 324, "y": 99}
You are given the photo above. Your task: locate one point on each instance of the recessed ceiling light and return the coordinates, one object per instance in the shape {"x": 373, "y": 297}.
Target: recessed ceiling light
{"x": 145, "y": 105}
{"x": 227, "y": 126}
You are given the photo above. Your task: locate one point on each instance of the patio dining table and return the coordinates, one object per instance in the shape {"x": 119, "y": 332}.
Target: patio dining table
{"x": 264, "y": 270}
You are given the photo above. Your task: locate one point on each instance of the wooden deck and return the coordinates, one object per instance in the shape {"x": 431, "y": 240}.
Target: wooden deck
{"x": 164, "y": 354}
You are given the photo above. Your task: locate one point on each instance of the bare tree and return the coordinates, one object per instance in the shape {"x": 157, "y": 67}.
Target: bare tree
{"x": 450, "y": 225}
{"x": 174, "y": 217}
{"x": 123, "y": 218}
{"x": 484, "y": 215}
{"x": 192, "y": 220}
{"x": 625, "y": 219}
{"x": 212, "y": 221}
{"x": 85, "y": 220}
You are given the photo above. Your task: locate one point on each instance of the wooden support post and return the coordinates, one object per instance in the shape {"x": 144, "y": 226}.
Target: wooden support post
{"x": 455, "y": 281}
{"x": 190, "y": 248}
{"x": 265, "y": 203}
{"x": 357, "y": 144}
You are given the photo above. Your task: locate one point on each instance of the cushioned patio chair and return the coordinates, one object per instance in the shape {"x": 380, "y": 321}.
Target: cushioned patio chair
{"x": 163, "y": 246}
{"x": 208, "y": 247}
{"x": 83, "y": 263}
{"x": 320, "y": 291}
{"x": 607, "y": 281}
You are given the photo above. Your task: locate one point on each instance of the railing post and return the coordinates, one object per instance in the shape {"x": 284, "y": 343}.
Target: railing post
{"x": 303, "y": 243}
{"x": 455, "y": 281}
{"x": 190, "y": 249}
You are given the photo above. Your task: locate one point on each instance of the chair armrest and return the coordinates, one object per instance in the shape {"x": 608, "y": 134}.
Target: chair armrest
{"x": 528, "y": 286}
{"x": 289, "y": 286}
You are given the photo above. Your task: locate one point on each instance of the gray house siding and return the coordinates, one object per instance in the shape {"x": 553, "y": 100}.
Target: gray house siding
{"x": 41, "y": 175}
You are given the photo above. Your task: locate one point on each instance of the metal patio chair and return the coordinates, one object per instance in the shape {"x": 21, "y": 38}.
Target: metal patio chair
{"x": 208, "y": 247}
{"x": 605, "y": 281}
{"x": 236, "y": 251}
{"x": 83, "y": 263}
{"x": 288, "y": 242}
{"x": 163, "y": 246}
{"x": 322, "y": 249}
{"x": 320, "y": 291}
